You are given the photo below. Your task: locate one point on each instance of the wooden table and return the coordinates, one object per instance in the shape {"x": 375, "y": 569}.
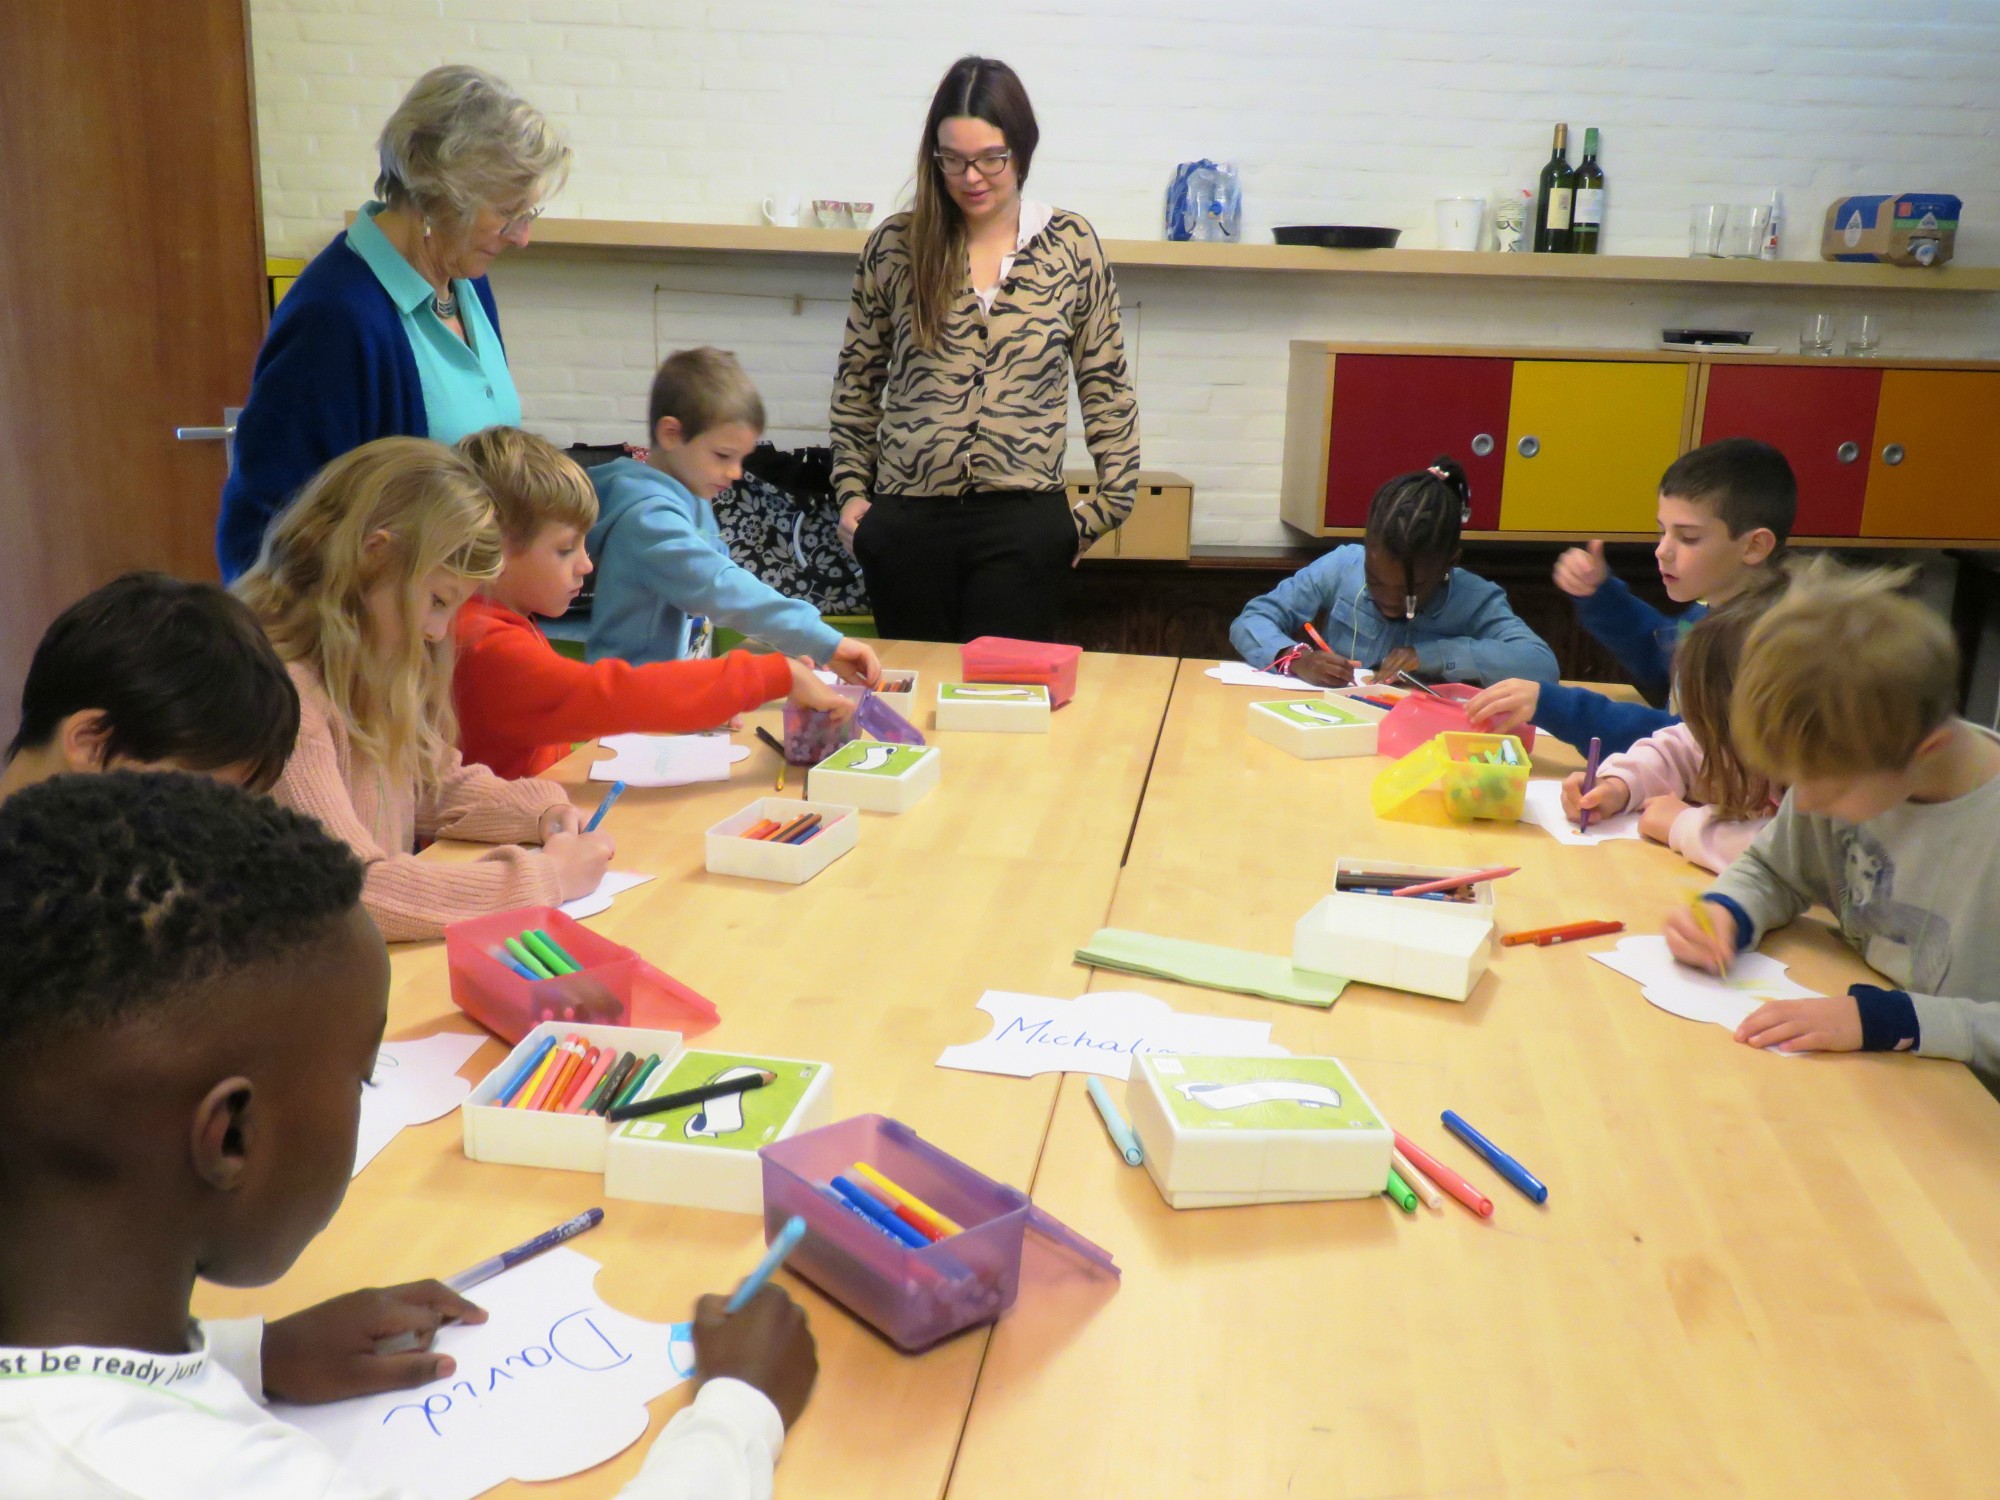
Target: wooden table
{"x": 1754, "y": 1275}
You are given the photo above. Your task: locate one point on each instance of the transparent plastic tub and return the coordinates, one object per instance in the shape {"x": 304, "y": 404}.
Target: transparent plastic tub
{"x": 1443, "y": 774}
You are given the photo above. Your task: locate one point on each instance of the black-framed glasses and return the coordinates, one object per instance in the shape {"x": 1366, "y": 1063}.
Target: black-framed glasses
{"x": 988, "y": 164}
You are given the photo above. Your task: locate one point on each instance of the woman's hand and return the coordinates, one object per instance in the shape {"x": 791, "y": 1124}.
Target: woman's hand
{"x": 850, "y": 518}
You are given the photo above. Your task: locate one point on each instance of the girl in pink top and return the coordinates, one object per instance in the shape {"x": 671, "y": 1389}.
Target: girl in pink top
{"x": 357, "y": 585}
{"x": 1695, "y": 794}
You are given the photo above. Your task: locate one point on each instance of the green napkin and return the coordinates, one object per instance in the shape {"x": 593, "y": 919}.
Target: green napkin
{"x": 1269, "y": 975}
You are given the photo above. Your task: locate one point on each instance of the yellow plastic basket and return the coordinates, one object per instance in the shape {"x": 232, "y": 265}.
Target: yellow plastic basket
{"x": 1449, "y": 773}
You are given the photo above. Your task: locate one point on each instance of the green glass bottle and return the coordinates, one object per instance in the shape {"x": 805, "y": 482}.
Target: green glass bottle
{"x": 1586, "y": 220}
{"x": 1552, "y": 197}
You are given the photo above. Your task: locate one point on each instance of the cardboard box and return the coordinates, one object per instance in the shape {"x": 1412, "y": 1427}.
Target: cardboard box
{"x": 1333, "y": 724}
{"x": 876, "y": 777}
{"x": 1220, "y": 1131}
{"x": 1435, "y": 948}
{"x": 1008, "y": 707}
{"x": 1901, "y": 229}
{"x": 1158, "y": 527}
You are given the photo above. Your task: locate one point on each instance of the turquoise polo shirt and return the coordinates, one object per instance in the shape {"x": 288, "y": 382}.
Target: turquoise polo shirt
{"x": 467, "y": 385}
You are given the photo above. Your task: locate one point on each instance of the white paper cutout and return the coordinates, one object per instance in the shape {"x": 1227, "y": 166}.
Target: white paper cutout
{"x": 554, "y": 1382}
{"x": 414, "y": 1082}
{"x": 1544, "y": 809}
{"x": 1098, "y": 1033}
{"x": 1753, "y": 979}
{"x": 614, "y": 883}
{"x": 667, "y": 759}
{"x": 1240, "y": 674}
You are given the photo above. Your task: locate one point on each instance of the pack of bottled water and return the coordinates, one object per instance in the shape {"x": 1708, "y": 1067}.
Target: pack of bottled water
{"x": 1205, "y": 202}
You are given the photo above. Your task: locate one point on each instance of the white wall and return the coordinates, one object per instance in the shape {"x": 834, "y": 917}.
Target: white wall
{"x": 1336, "y": 112}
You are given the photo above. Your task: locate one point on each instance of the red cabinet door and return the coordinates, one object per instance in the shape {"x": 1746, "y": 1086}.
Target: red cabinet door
{"x": 1821, "y": 420}
{"x": 1397, "y": 412}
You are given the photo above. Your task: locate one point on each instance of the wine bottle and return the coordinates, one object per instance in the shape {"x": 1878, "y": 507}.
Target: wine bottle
{"x": 1586, "y": 221}
{"x": 1552, "y": 197}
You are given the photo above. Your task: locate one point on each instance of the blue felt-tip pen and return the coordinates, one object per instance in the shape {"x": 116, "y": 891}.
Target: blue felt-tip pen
{"x": 877, "y": 1210}
{"x": 1114, "y": 1123}
{"x": 617, "y": 791}
{"x": 782, "y": 1244}
{"x": 1519, "y": 1176}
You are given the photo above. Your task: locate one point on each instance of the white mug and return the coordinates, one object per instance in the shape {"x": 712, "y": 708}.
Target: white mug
{"x": 782, "y": 208}
{"x": 1458, "y": 222}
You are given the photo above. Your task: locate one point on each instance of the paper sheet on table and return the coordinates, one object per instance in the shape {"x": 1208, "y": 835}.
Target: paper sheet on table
{"x": 667, "y": 759}
{"x": 1545, "y": 810}
{"x": 615, "y": 883}
{"x": 1099, "y": 1033}
{"x": 1241, "y": 674}
{"x": 553, "y": 1383}
{"x": 414, "y": 1082}
{"x": 1681, "y": 991}
{"x": 1267, "y": 975}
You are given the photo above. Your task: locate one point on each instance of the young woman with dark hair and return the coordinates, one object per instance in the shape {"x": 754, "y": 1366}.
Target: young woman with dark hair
{"x": 970, "y": 313}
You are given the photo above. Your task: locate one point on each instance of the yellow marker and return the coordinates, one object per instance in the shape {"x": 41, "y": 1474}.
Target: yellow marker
{"x": 1700, "y": 909}
{"x": 907, "y": 1198}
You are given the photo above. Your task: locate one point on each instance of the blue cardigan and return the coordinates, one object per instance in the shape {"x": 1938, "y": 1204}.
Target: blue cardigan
{"x": 335, "y": 372}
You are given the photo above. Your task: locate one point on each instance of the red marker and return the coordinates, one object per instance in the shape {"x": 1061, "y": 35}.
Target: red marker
{"x": 1445, "y": 1178}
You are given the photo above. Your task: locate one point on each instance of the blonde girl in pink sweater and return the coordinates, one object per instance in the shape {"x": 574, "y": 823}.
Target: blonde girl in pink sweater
{"x": 357, "y": 585}
{"x": 1695, "y": 794}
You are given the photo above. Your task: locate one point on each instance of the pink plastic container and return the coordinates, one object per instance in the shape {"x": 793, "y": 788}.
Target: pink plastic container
{"x": 615, "y": 988}
{"x": 1420, "y": 718}
{"x": 995, "y": 658}
{"x": 913, "y": 1297}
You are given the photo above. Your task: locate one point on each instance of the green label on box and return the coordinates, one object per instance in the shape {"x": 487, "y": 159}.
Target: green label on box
{"x": 734, "y": 1122}
{"x": 993, "y": 692}
{"x": 1261, "y": 1093}
{"x": 867, "y": 758}
{"x": 1314, "y": 715}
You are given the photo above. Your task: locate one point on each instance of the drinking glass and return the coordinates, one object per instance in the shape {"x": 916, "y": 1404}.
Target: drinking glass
{"x": 1705, "y": 229}
{"x": 1749, "y": 226}
{"x": 1816, "y": 334}
{"x": 1866, "y": 336}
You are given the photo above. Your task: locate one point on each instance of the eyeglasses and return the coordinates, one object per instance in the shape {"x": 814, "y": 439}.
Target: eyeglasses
{"x": 988, "y": 164}
{"x": 521, "y": 221}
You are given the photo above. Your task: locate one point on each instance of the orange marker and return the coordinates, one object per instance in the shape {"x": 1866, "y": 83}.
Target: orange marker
{"x": 1445, "y": 1178}
{"x": 1542, "y": 937}
{"x": 1315, "y": 637}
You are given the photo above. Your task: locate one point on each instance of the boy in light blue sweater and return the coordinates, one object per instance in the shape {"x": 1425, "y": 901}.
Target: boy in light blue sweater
{"x": 1399, "y": 602}
{"x": 661, "y": 561}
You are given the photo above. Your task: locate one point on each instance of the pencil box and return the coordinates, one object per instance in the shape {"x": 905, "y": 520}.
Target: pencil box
{"x": 874, "y": 777}
{"x": 1337, "y": 723}
{"x": 1464, "y": 776}
{"x": 1437, "y": 948}
{"x": 614, "y": 985}
{"x": 913, "y": 1297}
{"x": 701, "y": 1155}
{"x": 1420, "y": 718}
{"x": 995, "y": 658}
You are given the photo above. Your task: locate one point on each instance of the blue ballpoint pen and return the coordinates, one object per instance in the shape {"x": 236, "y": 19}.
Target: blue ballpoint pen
{"x": 1519, "y": 1176}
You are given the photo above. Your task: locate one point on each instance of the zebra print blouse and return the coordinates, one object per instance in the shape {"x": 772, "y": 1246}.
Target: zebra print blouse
{"x": 987, "y": 410}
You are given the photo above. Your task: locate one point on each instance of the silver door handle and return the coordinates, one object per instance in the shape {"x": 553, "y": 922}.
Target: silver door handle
{"x": 1893, "y": 454}
{"x": 1482, "y": 444}
{"x": 1847, "y": 452}
{"x": 1529, "y": 446}
{"x": 206, "y": 434}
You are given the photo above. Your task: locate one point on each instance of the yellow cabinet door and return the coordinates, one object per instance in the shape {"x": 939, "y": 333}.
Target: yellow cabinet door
{"x": 1587, "y": 443}
{"x": 1935, "y": 468}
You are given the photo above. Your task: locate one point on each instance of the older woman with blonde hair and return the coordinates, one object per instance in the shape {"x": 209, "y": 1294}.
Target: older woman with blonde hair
{"x": 392, "y": 330}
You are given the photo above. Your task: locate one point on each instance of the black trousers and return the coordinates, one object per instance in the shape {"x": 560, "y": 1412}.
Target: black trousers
{"x": 953, "y": 567}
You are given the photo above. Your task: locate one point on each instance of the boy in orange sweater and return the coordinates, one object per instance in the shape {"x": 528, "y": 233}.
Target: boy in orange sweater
{"x": 521, "y": 703}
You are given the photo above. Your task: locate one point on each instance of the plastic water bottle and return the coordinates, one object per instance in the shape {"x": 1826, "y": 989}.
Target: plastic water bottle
{"x": 1205, "y": 202}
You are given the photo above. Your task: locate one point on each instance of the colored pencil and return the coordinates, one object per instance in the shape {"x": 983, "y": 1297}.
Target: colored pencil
{"x": 1543, "y": 937}
{"x": 700, "y": 1094}
{"x": 610, "y": 1083}
{"x": 635, "y": 1083}
{"x": 521, "y": 1074}
{"x": 1444, "y": 1177}
{"x": 1419, "y": 1184}
{"x": 587, "y": 1083}
{"x": 1455, "y": 882}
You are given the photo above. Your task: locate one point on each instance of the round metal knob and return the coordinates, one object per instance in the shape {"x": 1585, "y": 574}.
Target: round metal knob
{"x": 1893, "y": 454}
{"x": 1482, "y": 444}
{"x": 1847, "y": 452}
{"x": 1529, "y": 446}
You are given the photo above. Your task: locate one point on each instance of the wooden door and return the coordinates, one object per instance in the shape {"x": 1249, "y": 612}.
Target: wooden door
{"x": 1822, "y": 420}
{"x": 1587, "y": 442}
{"x": 1935, "y": 467}
{"x": 131, "y": 294}
{"x": 1397, "y": 412}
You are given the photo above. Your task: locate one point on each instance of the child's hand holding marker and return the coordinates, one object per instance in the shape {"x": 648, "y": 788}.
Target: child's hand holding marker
{"x": 329, "y": 1352}
{"x": 1608, "y": 798}
{"x": 1322, "y": 666}
{"x": 1703, "y": 936}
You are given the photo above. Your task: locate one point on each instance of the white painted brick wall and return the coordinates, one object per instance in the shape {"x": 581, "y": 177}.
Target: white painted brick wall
{"x": 1342, "y": 112}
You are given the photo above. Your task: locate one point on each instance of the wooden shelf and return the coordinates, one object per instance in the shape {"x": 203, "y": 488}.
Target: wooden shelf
{"x": 645, "y": 237}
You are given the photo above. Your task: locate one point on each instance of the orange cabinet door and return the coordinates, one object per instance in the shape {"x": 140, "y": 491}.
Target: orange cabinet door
{"x": 1587, "y": 442}
{"x": 1935, "y": 468}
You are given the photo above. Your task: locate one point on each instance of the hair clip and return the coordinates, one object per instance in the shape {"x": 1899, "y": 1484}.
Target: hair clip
{"x": 1434, "y": 469}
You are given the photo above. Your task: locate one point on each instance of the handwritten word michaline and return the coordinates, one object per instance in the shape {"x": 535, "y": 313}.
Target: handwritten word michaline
{"x": 1038, "y": 1033}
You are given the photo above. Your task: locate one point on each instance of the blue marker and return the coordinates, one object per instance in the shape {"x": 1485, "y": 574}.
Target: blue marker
{"x": 877, "y": 1210}
{"x": 515, "y": 964}
{"x": 1531, "y": 1187}
{"x": 1121, "y": 1133}
{"x": 786, "y": 1241}
{"x": 617, "y": 791}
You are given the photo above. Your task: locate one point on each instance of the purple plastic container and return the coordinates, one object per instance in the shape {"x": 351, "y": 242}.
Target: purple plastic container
{"x": 811, "y": 735}
{"x": 914, "y": 1297}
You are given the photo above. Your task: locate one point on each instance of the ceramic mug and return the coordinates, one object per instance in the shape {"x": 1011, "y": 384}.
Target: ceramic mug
{"x": 782, "y": 208}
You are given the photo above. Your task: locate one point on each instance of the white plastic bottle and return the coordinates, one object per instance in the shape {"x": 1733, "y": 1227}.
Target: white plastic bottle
{"x": 1770, "y": 249}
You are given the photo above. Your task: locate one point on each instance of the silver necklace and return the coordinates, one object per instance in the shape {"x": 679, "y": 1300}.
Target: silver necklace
{"x": 446, "y": 307}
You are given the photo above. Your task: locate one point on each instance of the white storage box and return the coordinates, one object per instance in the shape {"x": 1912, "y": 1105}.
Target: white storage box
{"x": 1400, "y": 942}
{"x": 1317, "y": 728}
{"x": 899, "y": 691}
{"x": 705, "y": 1155}
{"x": 541, "y": 1138}
{"x": 1010, "y": 707}
{"x": 876, "y": 777}
{"x": 1220, "y": 1131}
{"x": 729, "y": 853}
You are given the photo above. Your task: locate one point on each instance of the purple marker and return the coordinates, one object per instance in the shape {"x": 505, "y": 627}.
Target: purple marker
{"x": 506, "y": 1260}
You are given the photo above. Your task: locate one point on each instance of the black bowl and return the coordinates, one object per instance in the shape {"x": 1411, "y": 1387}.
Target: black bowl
{"x": 1706, "y": 335}
{"x": 1337, "y": 236}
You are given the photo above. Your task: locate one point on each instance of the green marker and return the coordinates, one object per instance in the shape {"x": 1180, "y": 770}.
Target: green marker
{"x": 639, "y": 1076}
{"x": 538, "y": 945}
{"x": 559, "y": 951}
{"x": 1406, "y": 1199}
{"x": 528, "y": 960}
